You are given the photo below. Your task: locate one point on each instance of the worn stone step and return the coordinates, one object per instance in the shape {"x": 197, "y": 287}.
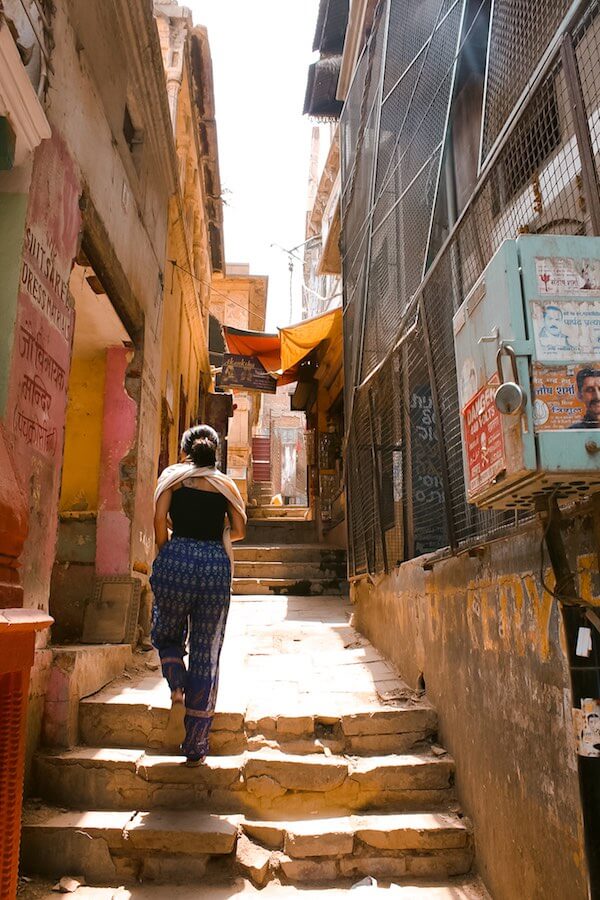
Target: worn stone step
{"x": 278, "y": 512}
{"x": 344, "y": 835}
{"x": 267, "y": 531}
{"x": 125, "y": 846}
{"x": 297, "y": 571}
{"x": 396, "y": 845}
{"x": 261, "y": 783}
{"x": 315, "y": 587}
{"x": 459, "y": 888}
{"x": 167, "y": 845}
{"x": 122, "y": 716}
{"x": 288, "y": 552}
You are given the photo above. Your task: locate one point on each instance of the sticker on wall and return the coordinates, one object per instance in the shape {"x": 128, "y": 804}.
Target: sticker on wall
{"x": 566, "y": 397}
{"x": 587, "y": 727}
{"x": 467, "y": 383}
{"x": 397, "y": 475}
{"x": 566, "y": 329}
{"x": 567, "y": 276}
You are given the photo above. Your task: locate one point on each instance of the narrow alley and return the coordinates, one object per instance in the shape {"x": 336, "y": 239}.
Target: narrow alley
{"x": 300, "y": 449}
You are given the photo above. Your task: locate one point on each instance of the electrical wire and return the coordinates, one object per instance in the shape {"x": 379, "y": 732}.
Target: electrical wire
{"x": 209, "y": 285}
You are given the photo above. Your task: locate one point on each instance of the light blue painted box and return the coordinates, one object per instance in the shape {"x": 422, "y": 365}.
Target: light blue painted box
{"x": 533, "y": 320}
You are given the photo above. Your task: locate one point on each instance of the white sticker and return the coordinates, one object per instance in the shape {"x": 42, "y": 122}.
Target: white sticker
{"x": 584, "y": 642}
{"x": 568, "y": 276}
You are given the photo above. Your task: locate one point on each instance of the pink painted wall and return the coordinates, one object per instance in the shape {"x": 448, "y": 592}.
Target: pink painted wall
{"x": 43, "y": 335}
{"x": 113, "y": 532}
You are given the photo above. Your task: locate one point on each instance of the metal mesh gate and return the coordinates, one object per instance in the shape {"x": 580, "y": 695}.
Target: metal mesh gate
{"x": 404, "y": 469}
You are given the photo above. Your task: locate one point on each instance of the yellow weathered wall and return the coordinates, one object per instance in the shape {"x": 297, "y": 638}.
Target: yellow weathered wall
{"x": 184, "y": 342}
{"x": 83, "y": 434}
{"x": 488, "y": 642}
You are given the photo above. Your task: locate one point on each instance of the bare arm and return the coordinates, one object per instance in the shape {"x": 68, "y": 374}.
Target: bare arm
{"x": 160, "y": 518}
{"x": 238, "y": 526}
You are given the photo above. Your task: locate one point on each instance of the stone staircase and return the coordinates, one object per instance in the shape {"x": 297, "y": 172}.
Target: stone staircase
{"x": 323, "y": 769}
{"x": 293, "y": 569}
{"x": 275, "y": 532}
{"x": 293, "y": 513}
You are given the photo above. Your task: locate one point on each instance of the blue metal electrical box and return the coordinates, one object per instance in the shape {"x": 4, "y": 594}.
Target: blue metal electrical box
{"x": 527, "y": 341}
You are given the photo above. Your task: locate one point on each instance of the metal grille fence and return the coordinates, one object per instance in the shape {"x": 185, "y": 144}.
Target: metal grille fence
{"x": 520, "y": 33}
{"x": 404, "y": 471}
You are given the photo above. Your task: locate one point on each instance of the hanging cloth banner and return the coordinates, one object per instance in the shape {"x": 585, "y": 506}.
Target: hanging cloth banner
{"x": 247, "y": 373}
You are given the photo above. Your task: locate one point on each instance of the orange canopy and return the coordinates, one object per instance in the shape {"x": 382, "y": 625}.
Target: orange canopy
{"x": 297, "y": 341}
{"x": 281, "y": 353}
{"x": 266, "y": 347}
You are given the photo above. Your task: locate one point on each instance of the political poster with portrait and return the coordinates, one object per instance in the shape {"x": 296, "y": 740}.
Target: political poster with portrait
{"x": 566, "y": 397}
{"x": 566, "y": 329}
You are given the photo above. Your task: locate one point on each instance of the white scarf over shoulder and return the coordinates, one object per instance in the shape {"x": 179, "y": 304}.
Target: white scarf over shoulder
{"x": 179, "y": 472}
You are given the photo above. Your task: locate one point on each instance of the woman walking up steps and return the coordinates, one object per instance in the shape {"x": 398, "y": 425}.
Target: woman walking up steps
{"x": 191, "y": 580}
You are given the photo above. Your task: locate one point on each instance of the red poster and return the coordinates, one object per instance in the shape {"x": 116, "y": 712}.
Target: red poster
{"x": 483, "y": 438}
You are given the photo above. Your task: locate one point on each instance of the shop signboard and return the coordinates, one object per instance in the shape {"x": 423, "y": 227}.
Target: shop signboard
{"x": 246, "y": 373}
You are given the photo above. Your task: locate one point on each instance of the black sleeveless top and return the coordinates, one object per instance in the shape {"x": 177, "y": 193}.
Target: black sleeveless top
{"x": 198, "y": 514}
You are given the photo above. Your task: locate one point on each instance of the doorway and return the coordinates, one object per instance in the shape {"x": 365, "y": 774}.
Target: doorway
{"x": 93, "y": 531}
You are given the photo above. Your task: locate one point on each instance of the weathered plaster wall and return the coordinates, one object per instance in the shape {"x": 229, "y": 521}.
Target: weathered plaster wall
{"x": 489, "y": 644}
{"x": 83, "y": 434}
{"x": 40, "y": 360}
{"x": 185, "y": 364}
{"x": 113, "y": 527}
{"x": 13, "y": 212}
{"x": 96, "y": 70}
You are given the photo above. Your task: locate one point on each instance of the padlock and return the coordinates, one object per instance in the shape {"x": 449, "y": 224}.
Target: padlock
{"x": 510, "y": 398}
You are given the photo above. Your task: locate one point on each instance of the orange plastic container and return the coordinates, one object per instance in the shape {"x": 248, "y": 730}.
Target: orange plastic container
{"x": 17, "y": 647}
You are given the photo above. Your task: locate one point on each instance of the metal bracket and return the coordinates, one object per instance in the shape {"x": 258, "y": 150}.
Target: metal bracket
{"x": 519, "y": 348}
{"x": 492, "y": 338}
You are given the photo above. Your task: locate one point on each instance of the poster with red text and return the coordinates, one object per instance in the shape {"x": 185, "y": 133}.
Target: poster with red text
{"x": 484, "y": 442}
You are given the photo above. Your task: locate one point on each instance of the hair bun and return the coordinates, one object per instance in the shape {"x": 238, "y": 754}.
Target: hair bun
{"x": 200, "y": 444}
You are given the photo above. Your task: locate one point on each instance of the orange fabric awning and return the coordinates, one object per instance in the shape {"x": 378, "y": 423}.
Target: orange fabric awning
{"x": 281, "y": 353}
{"x": 266, "y": 347}
{"x": 297, "y": 341}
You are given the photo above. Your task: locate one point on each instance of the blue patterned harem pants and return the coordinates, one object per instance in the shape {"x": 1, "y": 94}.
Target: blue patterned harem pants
{"x": 191, "y": 582}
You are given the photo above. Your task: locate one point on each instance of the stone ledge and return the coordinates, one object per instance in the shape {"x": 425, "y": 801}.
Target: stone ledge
{"x": 76, "y": 672}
